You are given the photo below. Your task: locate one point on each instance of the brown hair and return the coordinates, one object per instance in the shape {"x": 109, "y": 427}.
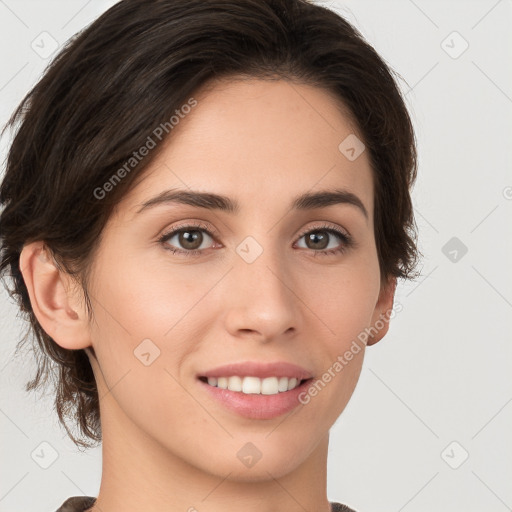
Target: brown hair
{"x": 127, "y": 73}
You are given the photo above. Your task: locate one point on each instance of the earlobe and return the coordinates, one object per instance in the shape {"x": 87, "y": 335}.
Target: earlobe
{"x": 383, "y": 309}
{"x": 52, "y": 298}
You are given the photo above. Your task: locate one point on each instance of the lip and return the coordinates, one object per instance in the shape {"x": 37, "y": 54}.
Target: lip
{"x": 257, "y": 407}
{"x": 258, "y": 369}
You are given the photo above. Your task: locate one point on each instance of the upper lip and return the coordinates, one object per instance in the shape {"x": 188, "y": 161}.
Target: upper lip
{"x": 259, "y": 369}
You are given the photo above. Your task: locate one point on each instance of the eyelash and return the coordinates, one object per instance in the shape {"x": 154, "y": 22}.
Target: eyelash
{"x": 347, "y": 241}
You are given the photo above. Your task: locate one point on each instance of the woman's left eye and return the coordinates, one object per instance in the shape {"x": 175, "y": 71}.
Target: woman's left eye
{"x": 322, "y": 238}
{"x": 190, "y": 240}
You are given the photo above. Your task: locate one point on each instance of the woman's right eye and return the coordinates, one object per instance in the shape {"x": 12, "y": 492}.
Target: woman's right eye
{"x": 189, "y": 240}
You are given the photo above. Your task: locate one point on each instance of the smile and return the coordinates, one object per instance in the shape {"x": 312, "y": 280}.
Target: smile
{"x": 254, "y": 385}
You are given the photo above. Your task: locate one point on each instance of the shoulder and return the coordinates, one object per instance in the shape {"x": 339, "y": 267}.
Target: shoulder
{"x": 77, "y": 504}
{"x": 338, "y": 507}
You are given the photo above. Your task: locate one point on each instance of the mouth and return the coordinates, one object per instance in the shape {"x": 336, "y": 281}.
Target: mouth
{"x": 251, "y": 385}
{"x": 254, "y": 398}
{"x": 256, "y": 389}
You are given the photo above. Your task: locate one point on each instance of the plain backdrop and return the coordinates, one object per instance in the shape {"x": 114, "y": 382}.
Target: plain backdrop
{"x": 429, "y": 425}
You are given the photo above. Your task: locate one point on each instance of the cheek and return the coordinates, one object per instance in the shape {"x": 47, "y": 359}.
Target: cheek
{"x": 344, "y": 299}
{"x": 338, "y": 312}
{"x": 147, "y": 301}
{"x": 139, "y": 338}
{"x": 148, "y": 313}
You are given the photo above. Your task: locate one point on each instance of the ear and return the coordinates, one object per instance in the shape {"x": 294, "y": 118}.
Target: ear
{"x": 382, "y": 312}
{"x": 54, "y": 298}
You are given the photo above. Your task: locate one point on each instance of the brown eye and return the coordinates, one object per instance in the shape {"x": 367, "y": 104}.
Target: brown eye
{"x": 326, "y": 241}
{"x": 314, "y": 240}
{"x": 190, "y": 239}
{"x": 187, "y": 240}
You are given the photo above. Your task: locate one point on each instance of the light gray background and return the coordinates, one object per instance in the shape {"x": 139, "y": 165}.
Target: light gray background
{"x": 438, "y": 387}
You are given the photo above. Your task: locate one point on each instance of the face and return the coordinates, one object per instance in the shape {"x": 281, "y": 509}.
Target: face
{"x": 265, "y": 281}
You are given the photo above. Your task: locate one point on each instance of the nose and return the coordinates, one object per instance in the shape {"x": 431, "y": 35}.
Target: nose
{"x": 262, "y": 304}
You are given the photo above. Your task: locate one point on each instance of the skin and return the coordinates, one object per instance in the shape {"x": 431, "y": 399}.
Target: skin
{"x": 166, "y": 444}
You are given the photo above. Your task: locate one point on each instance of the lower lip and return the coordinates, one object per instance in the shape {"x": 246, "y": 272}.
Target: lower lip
{"x": 256, "y": 406}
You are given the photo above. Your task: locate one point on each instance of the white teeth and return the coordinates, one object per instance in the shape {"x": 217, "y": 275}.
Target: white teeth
{"x": 283, "y": 384}
{"x": 269, "y": 386}
{"x": 255, "y": 385}
{"x": 251, "y": 385}
{"x": 235, "y": 383}
{"x": 292, "y": 383}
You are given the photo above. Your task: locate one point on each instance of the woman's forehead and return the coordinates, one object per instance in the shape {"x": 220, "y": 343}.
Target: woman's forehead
{"x": 260, "y": 139}
{"x": 257, "y": 106}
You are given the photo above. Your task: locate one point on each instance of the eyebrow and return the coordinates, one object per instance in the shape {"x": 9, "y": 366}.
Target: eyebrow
{"x": 210, "y": 201}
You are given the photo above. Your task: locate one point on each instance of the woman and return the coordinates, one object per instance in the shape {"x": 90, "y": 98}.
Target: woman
{"x": 206, "y": 208}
